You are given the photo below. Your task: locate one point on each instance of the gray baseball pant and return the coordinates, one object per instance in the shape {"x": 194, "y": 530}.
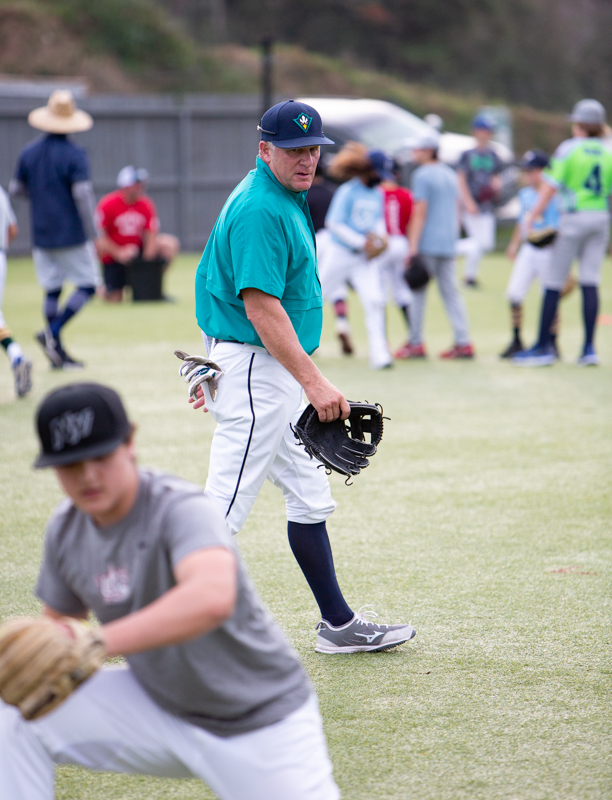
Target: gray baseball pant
{"x": 583, "y": 235}
{"x": 442, "y": 268}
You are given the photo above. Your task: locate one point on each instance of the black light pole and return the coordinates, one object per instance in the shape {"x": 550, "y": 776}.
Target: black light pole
{"x": 266, "y": 73}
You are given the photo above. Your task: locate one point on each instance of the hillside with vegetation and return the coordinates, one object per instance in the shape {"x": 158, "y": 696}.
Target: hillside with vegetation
{"x": 130, "y": 46}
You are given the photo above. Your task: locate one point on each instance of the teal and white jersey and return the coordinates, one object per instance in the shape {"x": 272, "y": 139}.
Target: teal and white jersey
{"x": 263, "y": 239}
{"x": 581, "y": 169}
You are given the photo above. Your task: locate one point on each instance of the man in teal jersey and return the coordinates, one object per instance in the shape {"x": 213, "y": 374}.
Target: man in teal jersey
{"x": 259, "y": 305}
{"x": 581, "y": 171}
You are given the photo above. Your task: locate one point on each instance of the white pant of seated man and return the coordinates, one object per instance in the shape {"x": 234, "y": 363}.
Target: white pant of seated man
{"x": 111, "y": 724}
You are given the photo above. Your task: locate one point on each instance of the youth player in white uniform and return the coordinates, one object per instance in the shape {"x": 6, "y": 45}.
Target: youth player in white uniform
{"x": 530, "y": 262}
{"x": 358, "y": 234}
{"x": 211, "y": 689}
{"x": 20, "y": 363}
{"x": 259, "y": 305}
{"x": 581, "y": 171}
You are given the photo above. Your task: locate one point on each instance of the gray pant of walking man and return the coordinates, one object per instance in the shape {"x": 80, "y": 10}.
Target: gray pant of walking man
{"x": 443, "y": 270}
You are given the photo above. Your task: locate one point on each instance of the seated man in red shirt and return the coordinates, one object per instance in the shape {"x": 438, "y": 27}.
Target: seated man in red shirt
{"x": 129, "y": 228}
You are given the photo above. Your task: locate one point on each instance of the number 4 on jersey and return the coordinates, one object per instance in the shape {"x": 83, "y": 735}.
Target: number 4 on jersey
{"x": 593, "y": 182}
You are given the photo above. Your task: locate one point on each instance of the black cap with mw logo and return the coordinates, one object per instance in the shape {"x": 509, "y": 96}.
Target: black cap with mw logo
{"x": 80, "y": 421}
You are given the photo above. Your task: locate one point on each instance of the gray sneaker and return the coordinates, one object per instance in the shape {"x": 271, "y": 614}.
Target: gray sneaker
{"x": 360, "y": 635}
{"x": 49, "y": 345}
{"x": 22, "y": 370}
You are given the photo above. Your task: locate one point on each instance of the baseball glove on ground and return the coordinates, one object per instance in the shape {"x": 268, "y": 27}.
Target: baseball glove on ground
{"x": 417, "y": 276}
{"x": 197, "y": 370}
{"x": 341, "y": 445}
{"x": 542, "y": 237}
{"x": 40, "y": 665}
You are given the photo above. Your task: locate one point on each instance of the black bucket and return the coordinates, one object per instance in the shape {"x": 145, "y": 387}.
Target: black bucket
{"x": 145, "y": 279}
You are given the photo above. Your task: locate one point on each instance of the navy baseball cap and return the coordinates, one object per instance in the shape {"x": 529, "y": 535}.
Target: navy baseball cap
{"x": 292, "y": 124}
{"x": 78, "y": 422}
{"x": 382, "y": 164}
{"x": 534, "y": 159}
{"x": 482, "y": 121}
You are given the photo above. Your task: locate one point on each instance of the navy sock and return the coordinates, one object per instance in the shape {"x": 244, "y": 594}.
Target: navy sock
{"x": 590, "y": 307}
{"x": 312, "y": 550}
{"x": 74, "y": 304}
{"x": 549, "y": 309}
{"x": 51, "y": 305}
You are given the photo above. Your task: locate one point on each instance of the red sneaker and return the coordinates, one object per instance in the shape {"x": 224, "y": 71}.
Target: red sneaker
{"x": 411, "y": 351}
{"x": 459, "y": 351}
{"x": 346, "y": 344}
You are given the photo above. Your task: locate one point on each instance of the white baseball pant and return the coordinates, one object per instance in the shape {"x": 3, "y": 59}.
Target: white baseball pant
{"x": 256, "y": 402}
{"x": 480, "y": 227}
{"x": 3, "y": 271}
{"x": 342, "y": 266}
{"x": 391, "y": 264}
{"x": 471, "y": 251}
{"x": 530, "y": 263}
{"x": 111, "y": 724}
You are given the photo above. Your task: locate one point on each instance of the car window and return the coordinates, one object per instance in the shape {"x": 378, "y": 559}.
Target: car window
{"x": 391, "y": 132}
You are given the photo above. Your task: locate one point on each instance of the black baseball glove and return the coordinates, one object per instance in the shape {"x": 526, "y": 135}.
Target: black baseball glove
{"x": 417, "y": 275}
{"x": 341, "y": 445}
{"x": 542, "y": 237}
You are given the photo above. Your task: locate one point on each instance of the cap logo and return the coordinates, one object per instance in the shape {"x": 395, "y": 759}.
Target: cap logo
{"x": 303, "y": 122}
{"x": 70, "y": 428}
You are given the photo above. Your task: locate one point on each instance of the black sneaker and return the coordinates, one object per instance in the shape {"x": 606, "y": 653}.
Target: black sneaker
{"x": 69, "y": 363}
{"x": 22, "y": 370}
{"x": 359, "y": 635}
{"x": 515, "y": 347}
{"x": 472, "y": 283}
{"x": 51, "y": 347}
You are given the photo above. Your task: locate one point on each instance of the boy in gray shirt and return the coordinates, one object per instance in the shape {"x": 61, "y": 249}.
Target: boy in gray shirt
{"x": 432, "y": 233}
{"x": 212, "y": 689}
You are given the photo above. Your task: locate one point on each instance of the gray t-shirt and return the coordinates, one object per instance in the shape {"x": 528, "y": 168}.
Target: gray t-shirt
{"x": 241, "y": 676}
{"x": 437, "y": 184}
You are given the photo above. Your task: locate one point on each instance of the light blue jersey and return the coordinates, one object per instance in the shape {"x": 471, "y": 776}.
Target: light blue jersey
{"x": 357, "y": 206}
{"x": 550, "y": 216}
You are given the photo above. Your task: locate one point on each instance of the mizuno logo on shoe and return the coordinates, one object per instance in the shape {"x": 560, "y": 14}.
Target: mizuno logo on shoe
{"x": 369, "y": 637}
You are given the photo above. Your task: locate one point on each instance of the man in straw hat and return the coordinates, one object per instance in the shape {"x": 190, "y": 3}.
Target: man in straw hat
{"x": 54, "y": 173}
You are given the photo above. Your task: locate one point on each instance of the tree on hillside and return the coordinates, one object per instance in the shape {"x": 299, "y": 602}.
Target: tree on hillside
{"x": 546, "y": 53}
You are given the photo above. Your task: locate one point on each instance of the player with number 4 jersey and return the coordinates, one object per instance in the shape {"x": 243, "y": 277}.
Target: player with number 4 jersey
{"x": 581, "y": 171}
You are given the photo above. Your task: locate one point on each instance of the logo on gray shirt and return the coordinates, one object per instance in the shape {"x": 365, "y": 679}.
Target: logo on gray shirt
{"x": 114, "y": 585}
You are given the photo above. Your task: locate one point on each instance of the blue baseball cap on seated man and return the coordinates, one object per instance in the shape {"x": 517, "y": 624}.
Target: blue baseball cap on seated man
{"x": 292, "y": 124}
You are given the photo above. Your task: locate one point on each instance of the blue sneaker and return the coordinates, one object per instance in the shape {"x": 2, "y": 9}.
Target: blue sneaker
{"x": 589, "y": 357}
{"x": 536, "y": 357}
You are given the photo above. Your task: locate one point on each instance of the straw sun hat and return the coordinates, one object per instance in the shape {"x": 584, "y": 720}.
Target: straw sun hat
{"x": 60, "y": 115}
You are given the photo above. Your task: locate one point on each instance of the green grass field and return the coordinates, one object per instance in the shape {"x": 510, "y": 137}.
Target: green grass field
{"x": 484, "y": 520}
